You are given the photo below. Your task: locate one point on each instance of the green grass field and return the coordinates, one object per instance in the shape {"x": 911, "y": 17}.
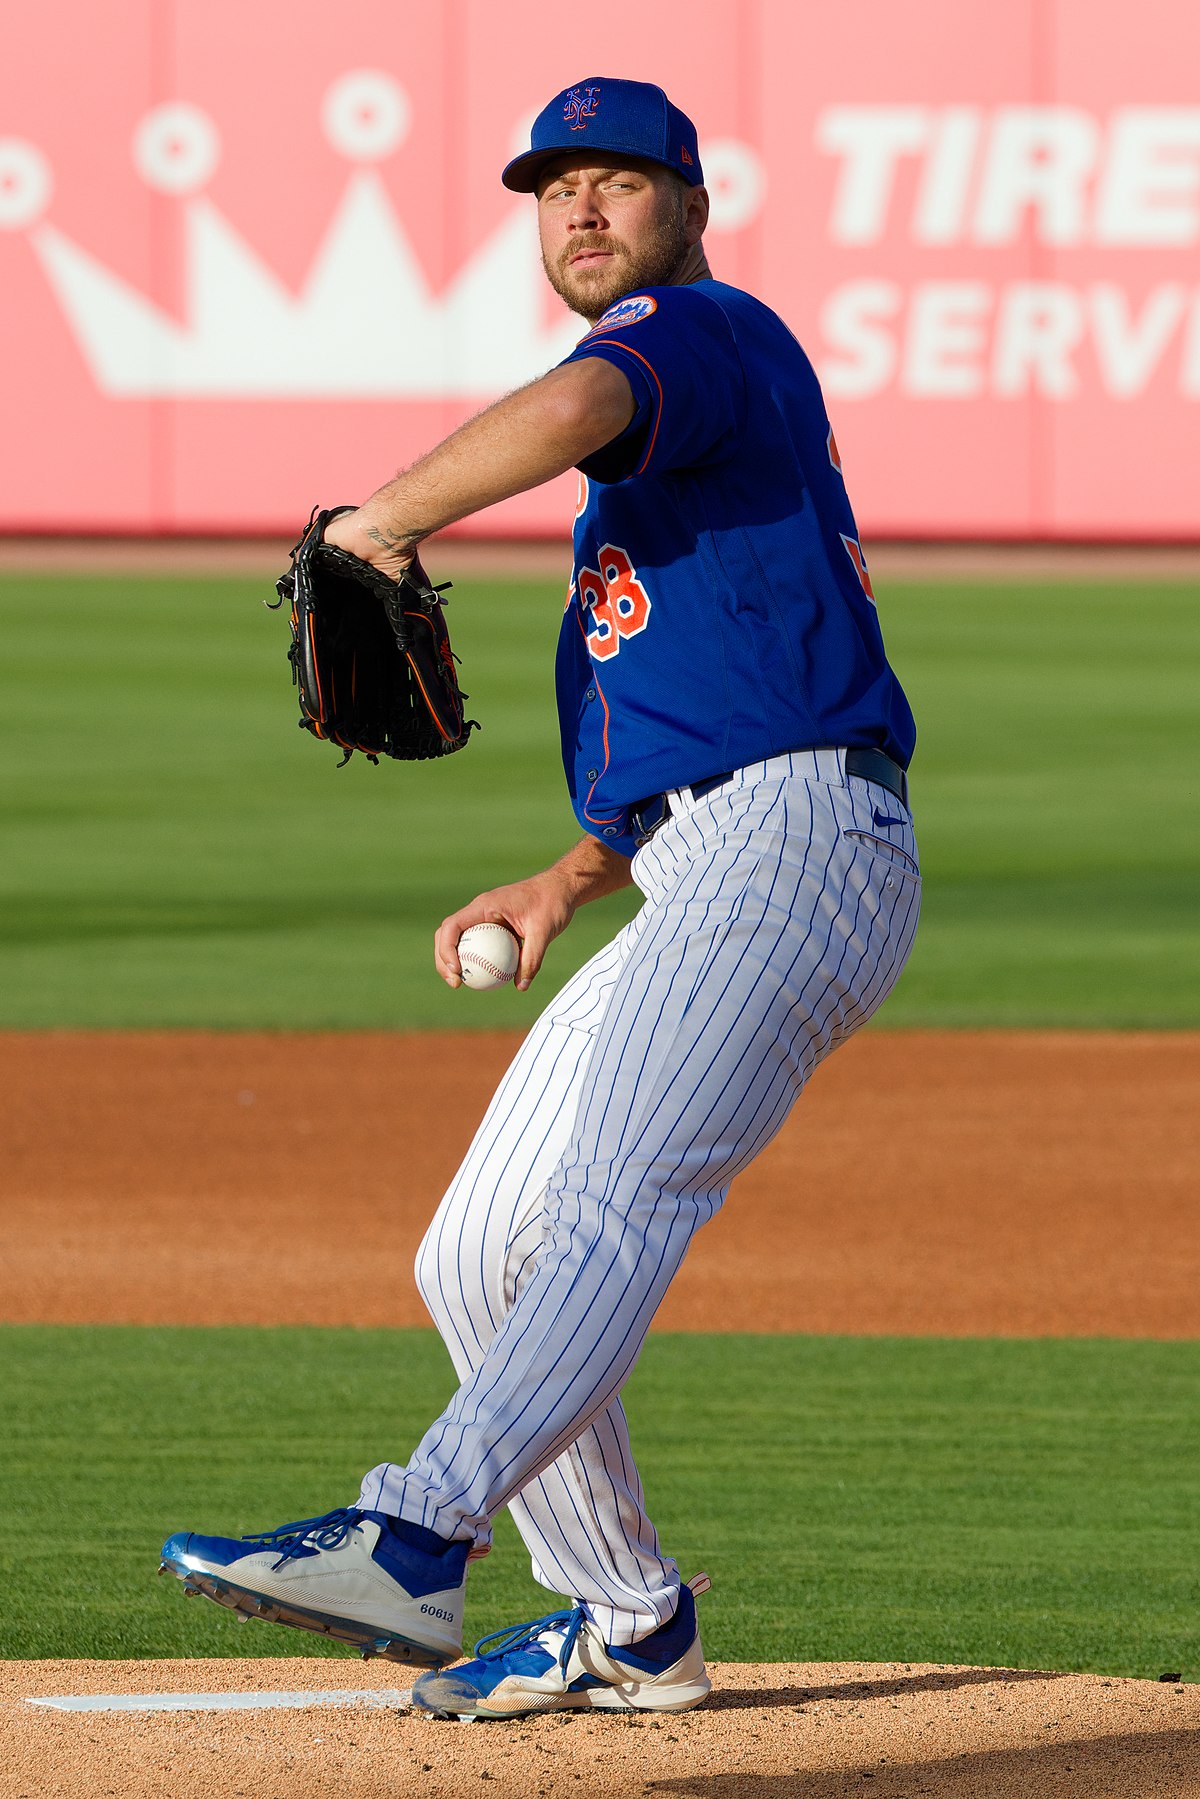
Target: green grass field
{"x": 180, "y": 854}
{"x": 1028, "y": 1504}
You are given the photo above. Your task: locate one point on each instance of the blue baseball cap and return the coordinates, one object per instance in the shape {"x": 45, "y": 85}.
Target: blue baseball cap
{"x": 610, "y": 117}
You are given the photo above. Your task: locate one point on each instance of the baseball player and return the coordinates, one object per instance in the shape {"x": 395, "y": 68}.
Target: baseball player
{"x": 735, "y": 744}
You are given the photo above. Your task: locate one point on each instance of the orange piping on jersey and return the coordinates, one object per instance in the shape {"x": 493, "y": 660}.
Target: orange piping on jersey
{"x": 613, "y": 817}
{"x": 630, "y": 351}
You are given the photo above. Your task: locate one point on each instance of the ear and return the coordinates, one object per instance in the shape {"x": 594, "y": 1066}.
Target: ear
{"x": 695, "y": 217}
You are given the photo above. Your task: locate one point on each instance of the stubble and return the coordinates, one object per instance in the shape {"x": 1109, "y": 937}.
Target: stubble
{"x": 591, "y": 292}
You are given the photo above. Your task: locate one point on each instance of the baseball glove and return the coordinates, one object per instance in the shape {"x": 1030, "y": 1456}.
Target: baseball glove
{"x": 370, "y": 656}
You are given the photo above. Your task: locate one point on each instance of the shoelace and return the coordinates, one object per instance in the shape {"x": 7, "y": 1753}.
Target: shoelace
{"x": 521, "y": 1636}
{"x": 329, "y": 1531}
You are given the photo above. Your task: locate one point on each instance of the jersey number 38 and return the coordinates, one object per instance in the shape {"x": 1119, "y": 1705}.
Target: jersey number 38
{"x": 616, "y": 601}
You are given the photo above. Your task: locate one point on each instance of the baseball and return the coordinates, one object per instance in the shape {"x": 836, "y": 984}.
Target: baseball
{"x": 488, "y": 955}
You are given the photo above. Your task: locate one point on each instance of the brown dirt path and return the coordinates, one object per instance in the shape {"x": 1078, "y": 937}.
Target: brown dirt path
{"x": 959, "y": 1183}
{"x": 466, "y": 558}
{"x": 783, "y": 1731}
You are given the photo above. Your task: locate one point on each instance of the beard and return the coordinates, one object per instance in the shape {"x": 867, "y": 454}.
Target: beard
{"x": 590, "y": 292}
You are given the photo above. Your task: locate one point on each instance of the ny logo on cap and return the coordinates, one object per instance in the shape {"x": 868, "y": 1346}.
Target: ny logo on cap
{"x": 582, "y": 105}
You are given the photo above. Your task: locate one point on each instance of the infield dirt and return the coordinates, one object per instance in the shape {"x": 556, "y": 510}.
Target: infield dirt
{"x": 968, "y": 1183}
{"x": 786, "y": 1731}
{"x": 965, "y": 1183}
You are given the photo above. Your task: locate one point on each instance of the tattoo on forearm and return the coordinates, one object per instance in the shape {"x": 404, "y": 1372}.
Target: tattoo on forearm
{"x": 385, "y": 542}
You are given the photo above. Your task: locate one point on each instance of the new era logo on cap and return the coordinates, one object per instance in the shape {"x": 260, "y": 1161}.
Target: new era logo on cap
{"x": 609, "y": 117}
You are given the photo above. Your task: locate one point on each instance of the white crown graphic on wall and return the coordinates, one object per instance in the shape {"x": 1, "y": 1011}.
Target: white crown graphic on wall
{"x": 365, "y": 323}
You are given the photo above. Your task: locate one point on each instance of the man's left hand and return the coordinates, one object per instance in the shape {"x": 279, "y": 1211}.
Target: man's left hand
{"x": 362, "y": 534}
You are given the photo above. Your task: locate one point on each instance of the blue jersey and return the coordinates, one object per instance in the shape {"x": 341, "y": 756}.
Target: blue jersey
{"x": 720, "y": 610}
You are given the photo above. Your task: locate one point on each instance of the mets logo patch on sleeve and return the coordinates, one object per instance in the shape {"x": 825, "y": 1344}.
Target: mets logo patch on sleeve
{"x": 626, "y": 312}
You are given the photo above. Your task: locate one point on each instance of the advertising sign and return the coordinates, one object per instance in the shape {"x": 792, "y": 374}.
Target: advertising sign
{"x": 250, "y": 260}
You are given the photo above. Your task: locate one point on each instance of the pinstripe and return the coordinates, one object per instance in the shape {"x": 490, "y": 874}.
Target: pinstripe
{"x": 524, "y": 1109}
{"x": 576, "y": 1471}
{"x": 767, "y": 935}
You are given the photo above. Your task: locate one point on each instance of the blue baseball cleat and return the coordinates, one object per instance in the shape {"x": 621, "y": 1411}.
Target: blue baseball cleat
{"x": 561, "y": 1663}
{"x": 391, "y": 1589}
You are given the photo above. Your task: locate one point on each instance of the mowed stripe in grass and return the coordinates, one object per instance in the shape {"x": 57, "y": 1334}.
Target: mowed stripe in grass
{"x": 179, "y": 853}
{"x": 1006, "y": 1503}
{"x": 184, "y": 854}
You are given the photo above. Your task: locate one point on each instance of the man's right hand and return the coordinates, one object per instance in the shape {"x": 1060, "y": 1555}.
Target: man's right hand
{"x": 537, "y": 911}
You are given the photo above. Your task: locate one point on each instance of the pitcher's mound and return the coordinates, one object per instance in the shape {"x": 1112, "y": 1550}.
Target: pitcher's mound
{"x": 786, "y": 1730}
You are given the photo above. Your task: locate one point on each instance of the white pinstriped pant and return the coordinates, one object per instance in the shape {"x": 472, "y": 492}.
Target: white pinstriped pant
{"x": 780, "y": 909}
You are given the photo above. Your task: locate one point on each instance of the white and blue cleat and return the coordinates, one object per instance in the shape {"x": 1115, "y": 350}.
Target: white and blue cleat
{"x": 562, "y": 1663}
{"x": 353, "y": 1576}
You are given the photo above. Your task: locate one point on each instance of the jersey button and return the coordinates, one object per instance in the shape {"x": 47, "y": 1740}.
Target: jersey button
{"x": 593, "y": 774}
{"x": 591, "y": 693}
{"x": 611, "y": 831}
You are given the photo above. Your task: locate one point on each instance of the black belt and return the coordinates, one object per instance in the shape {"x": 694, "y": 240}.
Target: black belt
{"x": 867, "y": 765}
{"x": 877, "y": 766}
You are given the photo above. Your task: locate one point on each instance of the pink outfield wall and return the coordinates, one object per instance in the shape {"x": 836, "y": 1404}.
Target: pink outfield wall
{"x": 253, "y": 254}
